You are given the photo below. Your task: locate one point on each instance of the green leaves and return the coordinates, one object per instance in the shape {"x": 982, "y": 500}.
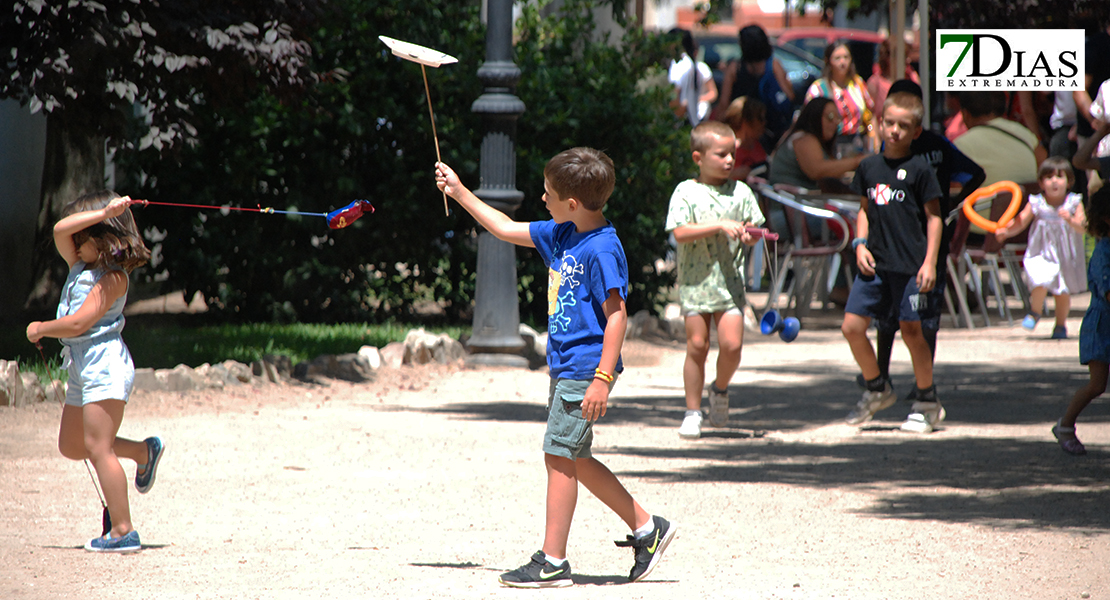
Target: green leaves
{"x": 365, "y": 133}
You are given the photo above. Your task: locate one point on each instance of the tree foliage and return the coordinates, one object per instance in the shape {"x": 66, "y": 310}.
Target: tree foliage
{"x": 91, "y": 66}
{"x": 584, "y": 87}
{"x": 109, "y": 59}
{"x": 362, "y": 133}
{"x": 367, "y": 134}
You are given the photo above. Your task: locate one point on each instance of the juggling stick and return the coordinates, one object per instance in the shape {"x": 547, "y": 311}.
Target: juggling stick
{"x": 337, "y": 219}
{"x": 759, "y": 232}
{"x": 423, "y": 56}
{"x": 105, "y": 517}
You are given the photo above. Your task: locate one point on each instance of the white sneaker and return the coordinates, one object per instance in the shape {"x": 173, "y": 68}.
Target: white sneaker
{"x": 691, "y": 426}
{"x": 924, "y": 417}
{"x": 871, "y": 403}
{"x": 718, "y": 407}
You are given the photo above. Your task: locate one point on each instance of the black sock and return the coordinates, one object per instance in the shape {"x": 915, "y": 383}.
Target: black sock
{"x": 884, "y": 345}
{"x": 877, "y": 384}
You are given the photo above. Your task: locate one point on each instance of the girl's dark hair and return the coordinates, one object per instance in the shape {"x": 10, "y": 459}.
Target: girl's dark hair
{"x": 810, "y": 121}
{"x": 688, "y": 44}
{"x": 1098, "y": 214}
{"x": 1056, "y": 164}
{"x": 117, "y": 239}
{"x": 755, "y": 46}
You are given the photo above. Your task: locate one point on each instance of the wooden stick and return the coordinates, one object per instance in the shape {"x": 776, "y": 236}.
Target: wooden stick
{"x": 435, "y": 137}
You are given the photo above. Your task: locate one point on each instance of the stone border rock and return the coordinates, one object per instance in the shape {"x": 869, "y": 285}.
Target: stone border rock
{"x": 419, "y": 347}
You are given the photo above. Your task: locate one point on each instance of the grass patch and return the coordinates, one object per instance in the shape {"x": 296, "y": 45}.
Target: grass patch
{"x": 166, "y": 345}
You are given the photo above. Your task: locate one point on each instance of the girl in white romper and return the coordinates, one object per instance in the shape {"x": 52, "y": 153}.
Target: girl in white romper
{"x": 101, "y": 244}
{"x": 1054, "y": 259}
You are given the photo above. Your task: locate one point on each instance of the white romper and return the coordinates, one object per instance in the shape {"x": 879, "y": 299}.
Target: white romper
{"x": 99, "y": 363}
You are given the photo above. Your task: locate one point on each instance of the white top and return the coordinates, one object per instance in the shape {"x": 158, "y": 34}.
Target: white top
{"x": 1063, "y": 110}
{"x": 1100, "y": 109}
{"x": 681, "y": 75}
{"x": 1055, "y": 257}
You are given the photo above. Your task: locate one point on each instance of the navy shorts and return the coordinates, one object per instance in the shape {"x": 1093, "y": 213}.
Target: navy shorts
{"x": 892, "y": 297}
{"x": 932, "y": 323}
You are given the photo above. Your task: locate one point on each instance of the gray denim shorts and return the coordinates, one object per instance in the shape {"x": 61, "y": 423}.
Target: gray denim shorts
{"x": 568, "y": 434}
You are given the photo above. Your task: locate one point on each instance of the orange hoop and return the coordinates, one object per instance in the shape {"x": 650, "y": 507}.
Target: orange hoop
{"x": 989, "y": 192}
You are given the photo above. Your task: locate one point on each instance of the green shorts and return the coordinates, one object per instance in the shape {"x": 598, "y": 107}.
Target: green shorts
{"x": 568, "y": 434}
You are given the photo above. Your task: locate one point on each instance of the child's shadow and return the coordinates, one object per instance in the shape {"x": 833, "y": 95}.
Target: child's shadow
{"x": 82, "y": 547}
{"x": 733, "y": 433}
{"x": 612, "y": 580}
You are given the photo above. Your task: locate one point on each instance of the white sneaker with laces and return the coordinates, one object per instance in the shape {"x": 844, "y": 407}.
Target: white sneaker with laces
{"x": 691, "y": 426}
{"x": 924, "y": 417}
{"x": 718, "y": 407}
{"x": 871, "y": 403}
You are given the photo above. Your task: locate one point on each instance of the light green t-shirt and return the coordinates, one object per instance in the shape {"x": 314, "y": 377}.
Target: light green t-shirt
{"x": 711, "y": 269}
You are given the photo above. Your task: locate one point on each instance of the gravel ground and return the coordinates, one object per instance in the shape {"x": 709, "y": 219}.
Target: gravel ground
{"x": 428, "y": 483}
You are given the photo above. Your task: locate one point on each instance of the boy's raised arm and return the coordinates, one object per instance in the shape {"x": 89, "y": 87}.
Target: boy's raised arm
{"x": 495, "y": 221}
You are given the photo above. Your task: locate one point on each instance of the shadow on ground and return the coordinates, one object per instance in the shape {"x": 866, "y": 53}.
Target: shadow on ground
{"x": 998, "y": 480}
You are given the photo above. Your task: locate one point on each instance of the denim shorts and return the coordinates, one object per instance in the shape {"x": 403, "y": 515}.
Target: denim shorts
{"x": 568, "y": 434}
{"x": 890, "y": 296}
{"x": 99, "y": 370}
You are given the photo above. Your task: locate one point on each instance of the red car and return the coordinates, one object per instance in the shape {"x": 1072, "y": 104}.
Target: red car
{"x": 863, "y": 44}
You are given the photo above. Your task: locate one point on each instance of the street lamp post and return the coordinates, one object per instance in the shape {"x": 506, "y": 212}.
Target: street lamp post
{"x": 496, "y": 339}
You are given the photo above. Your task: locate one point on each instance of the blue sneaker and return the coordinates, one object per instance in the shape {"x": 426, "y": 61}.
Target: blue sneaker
{"x": 121, "y": 545}
{"x": 1029, "y": 323}
{"x": 1060, "y": 332}
{"x": 154, "y": 449}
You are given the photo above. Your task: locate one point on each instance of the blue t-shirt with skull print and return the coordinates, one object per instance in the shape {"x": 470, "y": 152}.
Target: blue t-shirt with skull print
{"x": 582, "y": 269}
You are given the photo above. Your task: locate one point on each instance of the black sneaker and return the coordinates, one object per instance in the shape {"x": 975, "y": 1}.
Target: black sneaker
{"x": 538, "y": 573}
{"x": 649, "y": 549}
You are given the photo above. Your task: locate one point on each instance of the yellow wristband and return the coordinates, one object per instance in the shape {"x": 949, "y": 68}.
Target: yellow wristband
{"x": 599, "y": 374}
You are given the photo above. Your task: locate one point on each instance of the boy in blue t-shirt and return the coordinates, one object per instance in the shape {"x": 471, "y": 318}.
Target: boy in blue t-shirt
{"x": 899, "y": 229}
{"x": 587, "y": 286}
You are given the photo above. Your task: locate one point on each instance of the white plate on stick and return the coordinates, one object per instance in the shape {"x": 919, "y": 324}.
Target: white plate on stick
{"x": 417, "y": 54}
{"x": 424, "y": 57}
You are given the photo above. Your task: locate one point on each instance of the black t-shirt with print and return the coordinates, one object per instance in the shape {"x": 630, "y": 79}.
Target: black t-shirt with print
{"x": 897, "y": 191}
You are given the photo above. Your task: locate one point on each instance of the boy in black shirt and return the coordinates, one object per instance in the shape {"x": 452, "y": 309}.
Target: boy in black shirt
{"x": 899, "y": 228}
{"x": 950, "y": 165}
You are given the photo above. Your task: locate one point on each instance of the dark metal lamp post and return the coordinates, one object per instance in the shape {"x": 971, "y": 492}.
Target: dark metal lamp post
{"x": 496, "y": 337}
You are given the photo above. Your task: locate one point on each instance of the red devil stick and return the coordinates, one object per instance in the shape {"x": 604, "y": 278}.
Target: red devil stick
{"x": 759, "y": 232}
{"x": 337, "y": 219}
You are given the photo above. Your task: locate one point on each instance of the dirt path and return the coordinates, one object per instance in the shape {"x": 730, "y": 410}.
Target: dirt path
{"x": 429, "y": 483}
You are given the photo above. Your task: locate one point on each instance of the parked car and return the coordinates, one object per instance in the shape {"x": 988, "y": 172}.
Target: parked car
{"x": 801, "y": 67}
{"x": 863, "y": 44}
